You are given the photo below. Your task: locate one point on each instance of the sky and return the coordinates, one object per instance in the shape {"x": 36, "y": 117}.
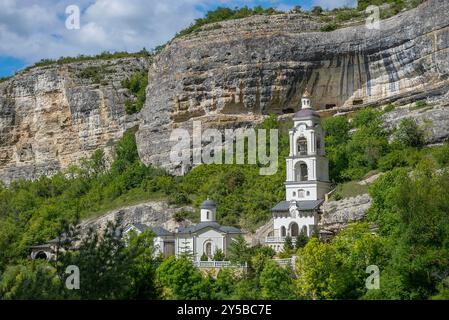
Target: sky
{"x": 31, "y": 30}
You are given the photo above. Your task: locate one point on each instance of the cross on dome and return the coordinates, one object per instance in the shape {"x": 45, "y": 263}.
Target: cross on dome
{"x": 305, "y": 101}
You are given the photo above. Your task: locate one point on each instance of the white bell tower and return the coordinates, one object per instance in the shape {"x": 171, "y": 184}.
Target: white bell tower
{"x": 307, "y": 166}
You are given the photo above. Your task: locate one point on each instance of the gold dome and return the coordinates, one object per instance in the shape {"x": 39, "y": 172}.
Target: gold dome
{"x": 306, "y": 94}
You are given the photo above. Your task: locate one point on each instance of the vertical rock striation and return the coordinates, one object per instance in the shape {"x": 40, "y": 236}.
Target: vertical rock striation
{"x": 251, "y": 67}
{"x": 51, "y": 117}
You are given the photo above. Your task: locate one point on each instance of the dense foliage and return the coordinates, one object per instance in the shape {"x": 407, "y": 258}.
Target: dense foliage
{"x": 223, "y": 14}
{"x": 3, "y": 79}
{"x": 109, "y": 268}
{"x": 106, "y": 55}
{"x": 361, "y": 145}
{"x": 410, "y": 210}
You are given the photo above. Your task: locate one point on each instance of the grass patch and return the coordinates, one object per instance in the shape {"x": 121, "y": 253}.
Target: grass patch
{"x": 223, "y": 14}
{"x": 389, "y": 108}
{"x": 329, "y": 27}
{"x": 419, "y": 105}
{"x": 106, "y": 55}
{"x": 95, "y": 74}
{"x": 3, "y": 79}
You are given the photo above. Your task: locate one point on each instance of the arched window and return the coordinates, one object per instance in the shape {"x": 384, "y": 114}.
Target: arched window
{"x": 304, "y": 230}
{"x": 283, "y": 232}
{"x": 294, "y": 193}
{"x": 208, "y": 249}
{"x": 294, "y": 229}
{"x": 301, "y": 172}
{"x": 207, "y": 215}
{"x": 301, "y": 193}
{"x": 41, "y": 255}
{"x": 302, "y": 146}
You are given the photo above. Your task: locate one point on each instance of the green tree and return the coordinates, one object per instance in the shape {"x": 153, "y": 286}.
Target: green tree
{"x": 288, "y": 244}
{"x": 276, "y": 282}
{"x": 225, "y": 284}
{"x": 443, "y": 290}
{"x": 140, "y": 251}
{"x": 239, "y": 250}
{"x": 410, "y": 134}
{"x": 317, "y": 10}
{"x": 301, "y": 240}
{"x": 30, "y": 281}
{"x": 179, "y": 279}
{"x": 416, "y": 227}
{"x": 336, "y": 270}
{"x": 104, "y": 264}
{"x": 219, "y": 255}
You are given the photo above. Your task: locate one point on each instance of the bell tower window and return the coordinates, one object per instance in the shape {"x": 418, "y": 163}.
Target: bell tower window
{"x": 302, "y": 146}
{"x": 301, "y": 172}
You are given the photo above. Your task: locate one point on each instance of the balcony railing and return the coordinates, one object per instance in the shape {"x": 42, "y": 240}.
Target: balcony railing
{"x": 285, "y": 262}
{"x": 278, "y": 240}
{"x": 219, "y": 264}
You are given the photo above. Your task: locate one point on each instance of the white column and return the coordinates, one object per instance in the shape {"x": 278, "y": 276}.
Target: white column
{"x": 312, "y": 143}
{"x": 314, "y": 169}
{"x": 291, "y": 144}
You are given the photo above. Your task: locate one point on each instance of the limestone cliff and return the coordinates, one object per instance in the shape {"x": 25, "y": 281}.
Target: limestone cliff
{"x": 336, "y": 215}
{"x": 52, "y": 116}
{"x": 152, "y": 214}
{"x": 232, "y": 73}
{"x": 228, "y": 74}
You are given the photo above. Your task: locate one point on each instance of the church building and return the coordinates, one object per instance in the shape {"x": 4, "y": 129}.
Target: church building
{"x": 203, "y": 239}
{"x": 207, "y": 237}
{"x": 307, "y": 179}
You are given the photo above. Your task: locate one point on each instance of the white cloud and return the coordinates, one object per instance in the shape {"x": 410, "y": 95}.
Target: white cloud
{"x": 32, "y": 30}
{"x": 35, "y": 29}
{"x": 331, "y": 4}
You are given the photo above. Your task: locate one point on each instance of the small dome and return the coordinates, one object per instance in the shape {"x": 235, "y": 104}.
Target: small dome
{"x": 305, "y": 113}
{"x": 306, "y": 94}
{"x": 208, "y": 204}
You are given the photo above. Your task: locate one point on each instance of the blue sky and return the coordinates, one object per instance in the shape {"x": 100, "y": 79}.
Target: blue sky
{"x": 31, "y": 30}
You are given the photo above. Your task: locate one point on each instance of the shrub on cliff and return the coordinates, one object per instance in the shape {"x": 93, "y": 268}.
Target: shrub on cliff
{"x": 137, "y": 84}
{"x": 223, "y": 14}
{"x": 410, "y": 134}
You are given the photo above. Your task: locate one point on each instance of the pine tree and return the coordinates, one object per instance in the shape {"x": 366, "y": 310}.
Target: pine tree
{"x": 288, "y": 244}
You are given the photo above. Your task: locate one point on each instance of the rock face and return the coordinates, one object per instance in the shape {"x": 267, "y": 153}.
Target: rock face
{"x": 435, "y": 120}
{"x": 153, "y": 213}
{"x": 338, "y": 214}
{"x": 243, "y": 69}
{"x": 51, "y": 117}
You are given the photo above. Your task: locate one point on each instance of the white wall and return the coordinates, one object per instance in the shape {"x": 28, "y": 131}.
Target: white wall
{"x": 158, "y": 243}
{"x": 216, "y": 238}
{"x": 301, "y": 221}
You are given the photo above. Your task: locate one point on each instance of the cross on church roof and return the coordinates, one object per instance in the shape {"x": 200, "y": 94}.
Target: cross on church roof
{"x": 306, "y": 94}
